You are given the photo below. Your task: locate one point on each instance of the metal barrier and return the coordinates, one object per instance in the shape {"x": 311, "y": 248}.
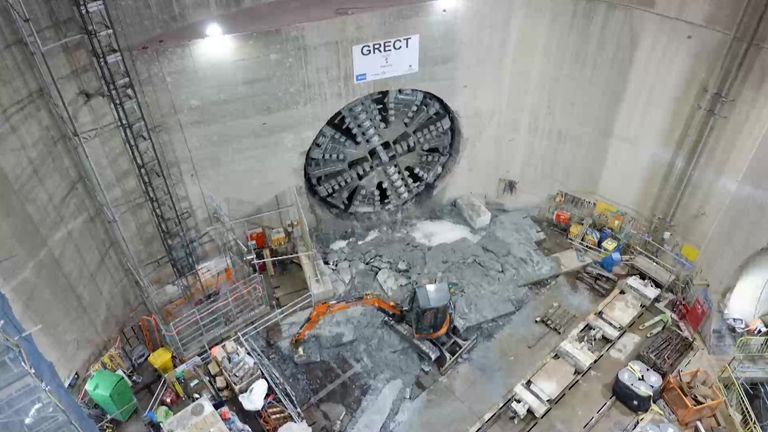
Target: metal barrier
{"x": 737, "y": 402}
{"x": 234, "y": 308}
{"x": 277, "y": 315}
{"x": 282, "y": 389}
{"x": 748, "y": 346}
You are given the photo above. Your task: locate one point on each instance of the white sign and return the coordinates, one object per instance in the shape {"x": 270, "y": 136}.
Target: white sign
{"x": 386, "y": 58}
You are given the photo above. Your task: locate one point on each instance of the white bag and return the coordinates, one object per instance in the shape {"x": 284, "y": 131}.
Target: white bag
{"x": 253, "y": 399}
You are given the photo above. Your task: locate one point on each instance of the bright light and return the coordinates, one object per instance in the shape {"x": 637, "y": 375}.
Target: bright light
{"x": 446, "y": 3}
{"x": 215, "y": 45}
{"x": 213, "y": 30}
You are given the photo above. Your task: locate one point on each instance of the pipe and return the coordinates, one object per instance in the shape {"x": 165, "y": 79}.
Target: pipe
{"x": 726, "y": 80}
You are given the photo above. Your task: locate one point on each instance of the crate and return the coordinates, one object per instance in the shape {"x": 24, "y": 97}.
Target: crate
{"x": 684, "y": 408}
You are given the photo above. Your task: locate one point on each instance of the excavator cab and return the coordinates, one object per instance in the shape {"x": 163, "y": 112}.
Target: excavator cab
{"x": 431, "y": 311}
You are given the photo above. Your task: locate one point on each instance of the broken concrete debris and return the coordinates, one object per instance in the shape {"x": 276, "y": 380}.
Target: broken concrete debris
{"x": 344, "y": 271}
{"x": 376, "y": 407}
{"x": 474, "y": 211}
{"x": 490, "y": 268}
{"x": 388, "y": 281}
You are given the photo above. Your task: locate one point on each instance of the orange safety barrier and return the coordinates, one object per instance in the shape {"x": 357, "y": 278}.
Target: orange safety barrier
{"x": 209, "y": 285}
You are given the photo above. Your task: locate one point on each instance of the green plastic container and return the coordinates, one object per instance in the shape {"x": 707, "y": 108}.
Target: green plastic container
{"x": 112, "y": 393}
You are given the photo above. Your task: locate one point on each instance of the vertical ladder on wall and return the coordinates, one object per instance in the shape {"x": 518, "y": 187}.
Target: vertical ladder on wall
{"x": 171, "y": 220}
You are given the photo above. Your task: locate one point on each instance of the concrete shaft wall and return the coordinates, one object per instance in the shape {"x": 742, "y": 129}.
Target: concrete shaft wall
{"x": 591, "y": 96}
{"x": 60, "y": 267}
{"x": 587, "y": 95}
{"x": 547, "y": 93}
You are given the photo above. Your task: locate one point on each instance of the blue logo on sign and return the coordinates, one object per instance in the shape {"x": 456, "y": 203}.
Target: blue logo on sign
{"x": 361, "y": 77}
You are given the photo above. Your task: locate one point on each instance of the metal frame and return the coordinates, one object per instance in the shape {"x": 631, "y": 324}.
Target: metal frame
{"x": 170, "y": 220}
{"x": 748, "y": 351}
{"x": 282, "y": 389}
{"x": 208, "y": 322}
{"x": 60, "y": 108}
{"x": 736, "y": 401}
{"x": 230, "y": 232}
{"x": 22, "y": 394}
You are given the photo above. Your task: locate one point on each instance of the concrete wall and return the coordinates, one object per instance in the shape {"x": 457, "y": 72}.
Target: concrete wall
{"x": 59, "y": 265}
{"x": 724, "y": 211}
{"x": 72, "y": 63}
{"x": 587, "y": 95}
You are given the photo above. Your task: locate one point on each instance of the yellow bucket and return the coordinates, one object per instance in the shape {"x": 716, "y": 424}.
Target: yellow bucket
{"x": 162, "y": 360}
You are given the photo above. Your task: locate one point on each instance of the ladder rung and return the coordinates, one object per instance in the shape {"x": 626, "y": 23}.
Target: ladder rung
{"x": 138, "y": 126}
{"x": 128, "y": 101}
{"x": 114, "y": 57}
{"x": 92, "y": 6}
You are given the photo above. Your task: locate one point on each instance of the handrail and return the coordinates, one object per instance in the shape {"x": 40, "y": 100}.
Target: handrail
{"x": 278, "y": 314}
{"x": 737, "y": 402}
{"x": 751, "y": 346}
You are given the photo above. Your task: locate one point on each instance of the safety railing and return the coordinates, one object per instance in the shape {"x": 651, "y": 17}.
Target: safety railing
{"x": 283, "y": 390}
{"x": 233, "y": 308}
{"x": 748, "y": 346}
{"x": 737, "y": 402}
{"x": 277, "y": 315}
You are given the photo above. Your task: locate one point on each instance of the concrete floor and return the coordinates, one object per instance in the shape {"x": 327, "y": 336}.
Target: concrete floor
{"x": 289, "y": 283}
{"x": 589, "y": 394}
{"x": 466, "y": 393}
{"x": 582, "y": 401}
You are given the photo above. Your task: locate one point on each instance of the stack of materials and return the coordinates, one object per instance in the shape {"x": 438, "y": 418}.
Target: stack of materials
{"x": 597, "y": 279}
{"x": 666, "y": 351}
{"x": 557, "y": 318}
{"x": 637, "y": 386}
{"x": 233, "y": 368}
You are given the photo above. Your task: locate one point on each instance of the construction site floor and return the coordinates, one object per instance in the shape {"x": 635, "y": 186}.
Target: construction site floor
{"x": 582, "y": 402}
{"x": 467, "y": 392}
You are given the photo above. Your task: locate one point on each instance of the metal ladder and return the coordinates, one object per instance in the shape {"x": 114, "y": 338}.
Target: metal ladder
{"x": 171, "y": 221}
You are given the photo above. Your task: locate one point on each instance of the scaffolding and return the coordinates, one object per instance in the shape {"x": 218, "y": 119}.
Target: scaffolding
{"x": 228, "y": 293}
{"x": 171, "y": 221}
{"x": 206, "y": 324}
{"x": 27, "y": 402}
{"x": 232, "y": 237}
{"x": 24, "y": 405}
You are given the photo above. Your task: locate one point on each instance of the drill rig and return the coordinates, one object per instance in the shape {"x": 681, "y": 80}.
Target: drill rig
{"x": 426, "y": 322}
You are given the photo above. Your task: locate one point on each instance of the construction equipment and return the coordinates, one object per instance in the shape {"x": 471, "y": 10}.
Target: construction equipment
{"x": 427, "y": 322}
{"x": 665, "y": 320}
{"x": 596, "y": 278}
{"x": 666, "y": 351}
{"x": 557, "y": 318}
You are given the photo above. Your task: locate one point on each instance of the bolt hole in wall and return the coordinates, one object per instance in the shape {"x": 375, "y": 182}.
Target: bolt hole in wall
{"x": 382, "y": 151}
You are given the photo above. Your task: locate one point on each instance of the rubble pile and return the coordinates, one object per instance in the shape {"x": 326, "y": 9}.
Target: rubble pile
{"x": 492, "y": 265}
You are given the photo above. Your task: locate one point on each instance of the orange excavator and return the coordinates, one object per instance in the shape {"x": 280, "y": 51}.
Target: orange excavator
{"x": 427, "y": 322}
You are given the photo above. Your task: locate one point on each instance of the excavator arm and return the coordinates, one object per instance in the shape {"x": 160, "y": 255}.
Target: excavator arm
{"x": 322, "y": 310}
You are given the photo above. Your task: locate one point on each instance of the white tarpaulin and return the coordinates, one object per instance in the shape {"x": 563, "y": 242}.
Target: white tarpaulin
{"x": 386, "y": 58}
